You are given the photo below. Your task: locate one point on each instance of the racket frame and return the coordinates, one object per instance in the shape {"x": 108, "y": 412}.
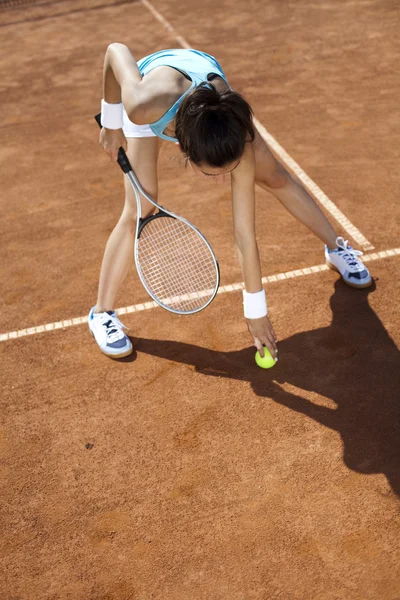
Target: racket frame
{"x": 126, "y": 167}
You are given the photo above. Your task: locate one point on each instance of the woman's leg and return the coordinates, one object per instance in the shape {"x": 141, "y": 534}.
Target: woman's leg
{"x": 273, "y": 177}
{"x": 118, "y": 256}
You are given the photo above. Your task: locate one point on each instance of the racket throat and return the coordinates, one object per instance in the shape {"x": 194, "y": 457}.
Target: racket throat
{"x": 143, "y": 222}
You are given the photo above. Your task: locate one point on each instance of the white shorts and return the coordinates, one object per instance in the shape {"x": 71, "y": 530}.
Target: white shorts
{"x": 131, "y": 130}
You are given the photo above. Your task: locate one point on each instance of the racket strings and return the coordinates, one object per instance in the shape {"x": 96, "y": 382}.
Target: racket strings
{"x": 176, "y": 264}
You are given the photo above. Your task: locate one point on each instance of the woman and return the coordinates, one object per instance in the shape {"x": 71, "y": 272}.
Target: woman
{"x": 186, "y": 99}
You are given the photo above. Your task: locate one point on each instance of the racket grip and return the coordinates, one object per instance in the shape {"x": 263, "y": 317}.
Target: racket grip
{"x": 123, "y": 160}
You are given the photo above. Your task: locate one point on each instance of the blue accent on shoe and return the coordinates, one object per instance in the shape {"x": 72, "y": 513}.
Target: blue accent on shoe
{"x": 339, "y": 249}
{"x": 359, "y": 275}
{"x": 118, "y": 344}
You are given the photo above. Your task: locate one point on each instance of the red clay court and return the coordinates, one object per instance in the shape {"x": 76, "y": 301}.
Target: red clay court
{"x": 185, "y": 472}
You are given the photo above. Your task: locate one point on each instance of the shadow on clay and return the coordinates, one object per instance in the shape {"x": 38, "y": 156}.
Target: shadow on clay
{"x": 352, "y": 362}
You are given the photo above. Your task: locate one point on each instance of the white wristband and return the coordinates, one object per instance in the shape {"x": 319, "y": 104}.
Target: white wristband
{"x": 111, "y": 115}
{"x": 255, "y": 305}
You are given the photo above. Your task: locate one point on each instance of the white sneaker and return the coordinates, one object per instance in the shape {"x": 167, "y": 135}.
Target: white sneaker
{"x": 106, "y": 329}
{"x": 344, "y": 260}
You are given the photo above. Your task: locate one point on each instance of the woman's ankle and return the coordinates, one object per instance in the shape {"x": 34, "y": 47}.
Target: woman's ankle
{"x": 100, "y": 308}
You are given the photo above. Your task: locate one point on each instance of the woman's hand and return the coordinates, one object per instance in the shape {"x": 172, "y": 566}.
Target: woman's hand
{"x": 112, "y": 140}
{"x": 263, "y": 334}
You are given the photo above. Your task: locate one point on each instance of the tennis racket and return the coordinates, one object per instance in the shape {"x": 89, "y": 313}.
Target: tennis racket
{"x": 174, "y": 261}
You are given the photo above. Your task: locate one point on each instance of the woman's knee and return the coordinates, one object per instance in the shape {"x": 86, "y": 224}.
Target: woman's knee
{"x": 277, "y": 179}
{"x": 143, "y": 155}
{"x": 269, "y": 172}
{"x": 130, "y": 206}
{"x": 274, "y": 178}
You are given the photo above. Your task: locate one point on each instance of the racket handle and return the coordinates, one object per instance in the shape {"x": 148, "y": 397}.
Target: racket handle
{"x": 123, "y": 160}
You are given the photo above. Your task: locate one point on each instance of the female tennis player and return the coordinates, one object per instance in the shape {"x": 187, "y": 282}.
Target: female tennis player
{"x": 183, "y": 96}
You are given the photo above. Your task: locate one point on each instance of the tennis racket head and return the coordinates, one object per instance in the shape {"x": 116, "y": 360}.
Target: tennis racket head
{"x": 176, "y": 264}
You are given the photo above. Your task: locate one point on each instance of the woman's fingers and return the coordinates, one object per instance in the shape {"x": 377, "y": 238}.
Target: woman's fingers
{"x": 258, "y": 344}
{"x": 271, "y": 333}
{"x": 266, "y": 343}
{"x": 271, "y": 345}
{"x": 263, "y": 335}
{"x": 272, "y": 341}
{"x": 112, "y": 141}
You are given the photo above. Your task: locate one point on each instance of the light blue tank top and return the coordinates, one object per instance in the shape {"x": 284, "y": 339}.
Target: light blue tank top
{"x": 193, "y": 63}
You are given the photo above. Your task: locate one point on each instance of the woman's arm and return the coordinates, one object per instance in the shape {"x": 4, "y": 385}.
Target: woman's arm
{"x": 122, "y": 81}
{"x": 145, "y": 99}
{"x": 243, "y": 206}
{"x": 243, "y": 202}
{"x": 123, "y": 85}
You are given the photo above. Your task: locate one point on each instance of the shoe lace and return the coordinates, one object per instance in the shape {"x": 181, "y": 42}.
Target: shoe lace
{"x": 349, "y": 255}
{"x": 113, "y": 327}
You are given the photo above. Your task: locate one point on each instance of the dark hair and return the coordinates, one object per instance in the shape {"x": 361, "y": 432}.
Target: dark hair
{"x": 213, "y": 128}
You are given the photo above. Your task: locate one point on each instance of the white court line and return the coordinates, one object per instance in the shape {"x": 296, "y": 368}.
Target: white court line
{"x": 284, "y": 157}
{"x": 165, "y": 23}
{"x": 222, "y": 290}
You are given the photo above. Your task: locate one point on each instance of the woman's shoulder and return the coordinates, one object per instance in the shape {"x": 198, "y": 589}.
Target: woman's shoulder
{"x": 159, "y": 90}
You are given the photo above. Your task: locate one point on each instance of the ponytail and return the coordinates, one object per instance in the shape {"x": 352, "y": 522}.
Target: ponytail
{"x": 212, "y": 128}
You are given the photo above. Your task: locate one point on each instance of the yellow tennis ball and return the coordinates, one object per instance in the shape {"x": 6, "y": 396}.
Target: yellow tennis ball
{"x": 267, "y": 362}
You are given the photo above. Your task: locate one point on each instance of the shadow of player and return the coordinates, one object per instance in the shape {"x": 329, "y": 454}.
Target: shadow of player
{"x": 353, "y": 362}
